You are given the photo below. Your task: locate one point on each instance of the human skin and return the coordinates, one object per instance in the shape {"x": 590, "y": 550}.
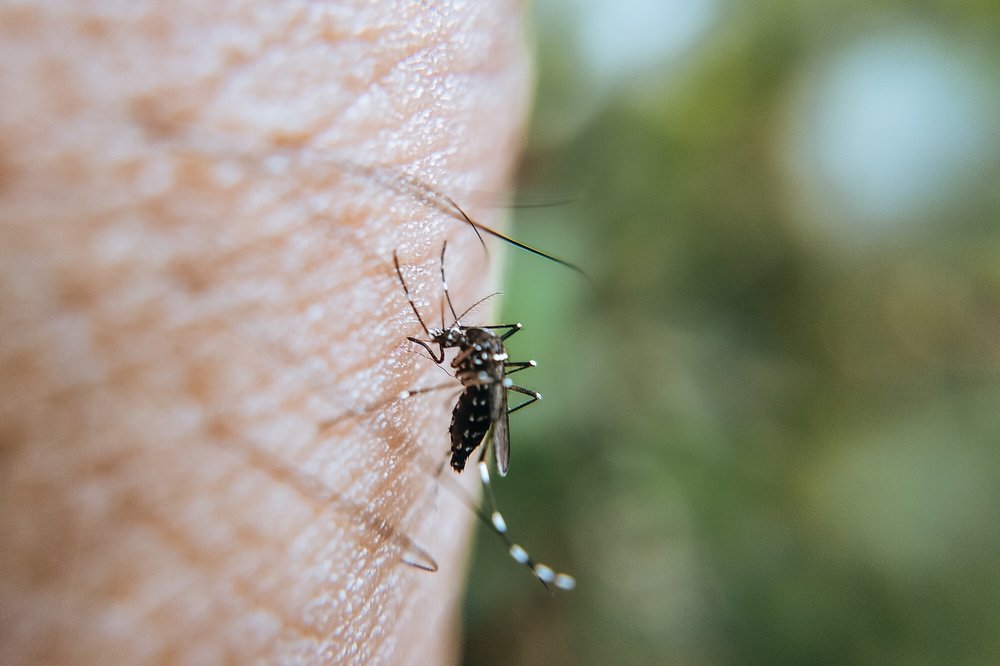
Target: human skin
{"x": 195, "y": 275}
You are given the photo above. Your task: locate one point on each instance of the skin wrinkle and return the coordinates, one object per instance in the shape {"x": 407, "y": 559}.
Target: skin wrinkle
{"x": 177, "y": 539}
{"x": 176, "y": 318}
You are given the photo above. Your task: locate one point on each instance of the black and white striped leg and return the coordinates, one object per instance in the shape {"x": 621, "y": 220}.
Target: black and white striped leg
{"x": 511, "y": 329}
{"x": 516, "y": 366}
{"x": 544, "y": 573}
{"x": 534, "y": 396}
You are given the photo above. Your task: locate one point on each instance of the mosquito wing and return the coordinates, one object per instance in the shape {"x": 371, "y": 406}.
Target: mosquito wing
{"x": 500, "y": 428}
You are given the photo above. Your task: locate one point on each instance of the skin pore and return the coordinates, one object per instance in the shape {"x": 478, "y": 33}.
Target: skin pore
{"x": 194, "y": 275}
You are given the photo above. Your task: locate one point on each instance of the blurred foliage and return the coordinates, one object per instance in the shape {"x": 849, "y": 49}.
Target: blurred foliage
{"x": 758, "y": 443}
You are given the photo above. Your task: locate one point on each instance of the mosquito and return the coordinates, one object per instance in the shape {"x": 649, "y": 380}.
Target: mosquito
{"x": 480, "y": 417}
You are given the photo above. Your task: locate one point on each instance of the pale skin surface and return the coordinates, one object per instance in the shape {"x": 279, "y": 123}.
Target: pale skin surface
{"x": 191, "y": 282}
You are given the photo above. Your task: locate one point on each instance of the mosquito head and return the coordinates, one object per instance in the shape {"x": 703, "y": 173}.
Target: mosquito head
{"x": 448, "y": 337}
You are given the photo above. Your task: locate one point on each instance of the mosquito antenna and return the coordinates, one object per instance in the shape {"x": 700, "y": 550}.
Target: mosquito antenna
{"x": 478, "y": 303}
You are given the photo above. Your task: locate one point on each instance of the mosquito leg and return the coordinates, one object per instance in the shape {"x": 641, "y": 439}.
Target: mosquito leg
{"x": 473, "y": 307}
{"x": 534, "y": 396}
{"x": 544, "y": 573}
{"x": 409, "y": 297}
{"x": 513, "y": 328}
{"x": 402, "y": 395}
{"x": 409, "y": 393}
{"x": 510, "y": 367}
{"x": 494, "y": 520}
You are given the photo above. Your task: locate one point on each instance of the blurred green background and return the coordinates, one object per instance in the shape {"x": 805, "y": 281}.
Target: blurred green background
{"x": 770, "y": 429}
